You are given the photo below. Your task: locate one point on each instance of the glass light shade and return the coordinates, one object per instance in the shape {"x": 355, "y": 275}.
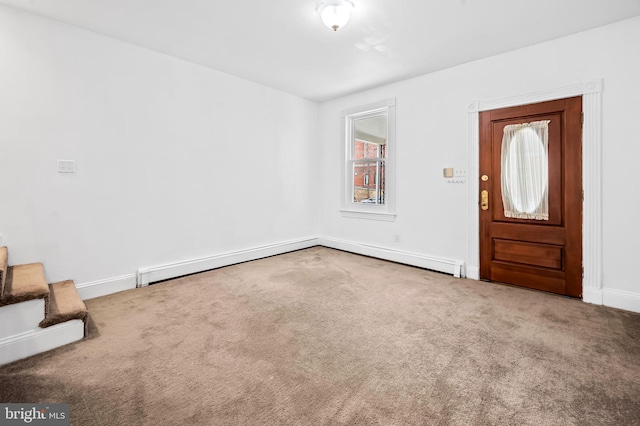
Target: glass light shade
{"x": 335, "y": 13}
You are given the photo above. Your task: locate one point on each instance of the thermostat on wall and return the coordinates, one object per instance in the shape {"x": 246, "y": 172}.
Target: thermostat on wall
{"x": 455, "y": 175}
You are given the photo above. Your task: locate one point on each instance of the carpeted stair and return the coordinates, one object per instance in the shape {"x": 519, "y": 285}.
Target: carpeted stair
{"x": 21, "y": 286}
{"x": 3, "y": 267}
{"x": 24, "y": 282}
{"x": 64, "y": 304}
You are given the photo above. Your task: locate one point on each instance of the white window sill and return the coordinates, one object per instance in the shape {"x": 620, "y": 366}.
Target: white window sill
{"x": 370, "y": 215}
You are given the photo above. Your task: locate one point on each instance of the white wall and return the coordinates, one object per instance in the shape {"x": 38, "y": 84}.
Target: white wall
{"x": 174, "y": 161}
{"x": 432, "y": 133}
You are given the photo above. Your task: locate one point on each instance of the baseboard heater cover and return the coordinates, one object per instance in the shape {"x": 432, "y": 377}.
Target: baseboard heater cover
{"x": 145, "y": 276}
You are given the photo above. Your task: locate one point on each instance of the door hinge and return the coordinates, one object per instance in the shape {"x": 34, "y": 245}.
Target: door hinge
{"x": 582, "y": 117}
{"x": 583, "y": 272}
{"x": 583, "y": 195}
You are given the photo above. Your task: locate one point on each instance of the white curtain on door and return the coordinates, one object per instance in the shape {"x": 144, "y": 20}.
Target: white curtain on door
{"x": 525, "y": 170}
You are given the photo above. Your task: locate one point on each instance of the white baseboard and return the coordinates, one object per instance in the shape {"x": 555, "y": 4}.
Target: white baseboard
{"x": 608, "y": 297}
{"x": 163, "y": 272}
{"x": 40, "y": 340}
{"x": 472, "y": 272}
{"x": 621, "y": 299}
{"x": 107, "y": 286}
{"x": 448, "y": 266}
{"x": 152, "y": 274}
{"x": 590, "y": 295}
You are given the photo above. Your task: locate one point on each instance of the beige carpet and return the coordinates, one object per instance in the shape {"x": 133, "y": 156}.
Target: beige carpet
{"x": 322, "y": 337}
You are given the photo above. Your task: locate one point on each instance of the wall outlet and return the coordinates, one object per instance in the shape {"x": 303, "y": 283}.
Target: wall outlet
{"x": 397, "y": 238}
{"x": 66, "y": 166}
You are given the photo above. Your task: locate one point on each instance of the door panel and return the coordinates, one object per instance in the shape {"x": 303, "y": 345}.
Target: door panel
{"x": 543, "y": 255}
{"x": 535, "y": 253}
{"x": 539, "y": 279}
{"x": 529, "y": 233}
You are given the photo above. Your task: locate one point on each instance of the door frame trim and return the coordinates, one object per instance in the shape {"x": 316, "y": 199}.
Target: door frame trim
{"x": 591, "y": 93}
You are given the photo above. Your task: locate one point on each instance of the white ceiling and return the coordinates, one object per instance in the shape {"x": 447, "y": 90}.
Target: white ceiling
{"x": 283, "y": 43}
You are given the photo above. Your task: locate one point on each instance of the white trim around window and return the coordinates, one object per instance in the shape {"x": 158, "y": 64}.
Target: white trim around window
{"x": 349, "y": 208}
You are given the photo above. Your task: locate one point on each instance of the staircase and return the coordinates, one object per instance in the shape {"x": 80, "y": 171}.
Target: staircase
{"x": 35, "y": 316}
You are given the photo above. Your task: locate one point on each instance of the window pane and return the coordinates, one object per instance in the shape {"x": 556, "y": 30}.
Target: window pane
{"x": 370, "y": 137}
{"x": 366, "y": 150}
{"x": 369, "y": 182}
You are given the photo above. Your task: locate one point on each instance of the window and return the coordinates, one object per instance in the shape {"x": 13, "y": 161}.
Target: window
{"x": 369, "y": 141}
{"x": 525, "y": 170}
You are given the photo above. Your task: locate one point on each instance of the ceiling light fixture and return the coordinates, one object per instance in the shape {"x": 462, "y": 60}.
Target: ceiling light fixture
{"x": 335, "y": 13}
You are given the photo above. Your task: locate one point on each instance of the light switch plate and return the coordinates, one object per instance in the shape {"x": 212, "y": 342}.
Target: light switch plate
{"x": 447, "y": 172}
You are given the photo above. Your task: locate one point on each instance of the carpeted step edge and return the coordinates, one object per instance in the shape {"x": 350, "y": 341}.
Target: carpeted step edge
{"x": 4, "y": 261}
{"x": 24, "y": 282}
{"x": 64, "y": 304}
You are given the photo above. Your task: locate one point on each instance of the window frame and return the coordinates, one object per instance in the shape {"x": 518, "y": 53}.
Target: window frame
{"x": 387, "y": 211}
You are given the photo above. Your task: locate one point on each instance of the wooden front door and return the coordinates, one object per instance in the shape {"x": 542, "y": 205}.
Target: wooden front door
{"x": 518, "y": 244}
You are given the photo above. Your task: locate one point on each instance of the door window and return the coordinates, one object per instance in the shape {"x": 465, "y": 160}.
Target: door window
{"x": 525, "y": 170}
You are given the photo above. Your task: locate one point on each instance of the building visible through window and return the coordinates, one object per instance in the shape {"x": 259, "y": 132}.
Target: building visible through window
{"x": 369, "y": 154}
{"x": 369, "y": 168}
